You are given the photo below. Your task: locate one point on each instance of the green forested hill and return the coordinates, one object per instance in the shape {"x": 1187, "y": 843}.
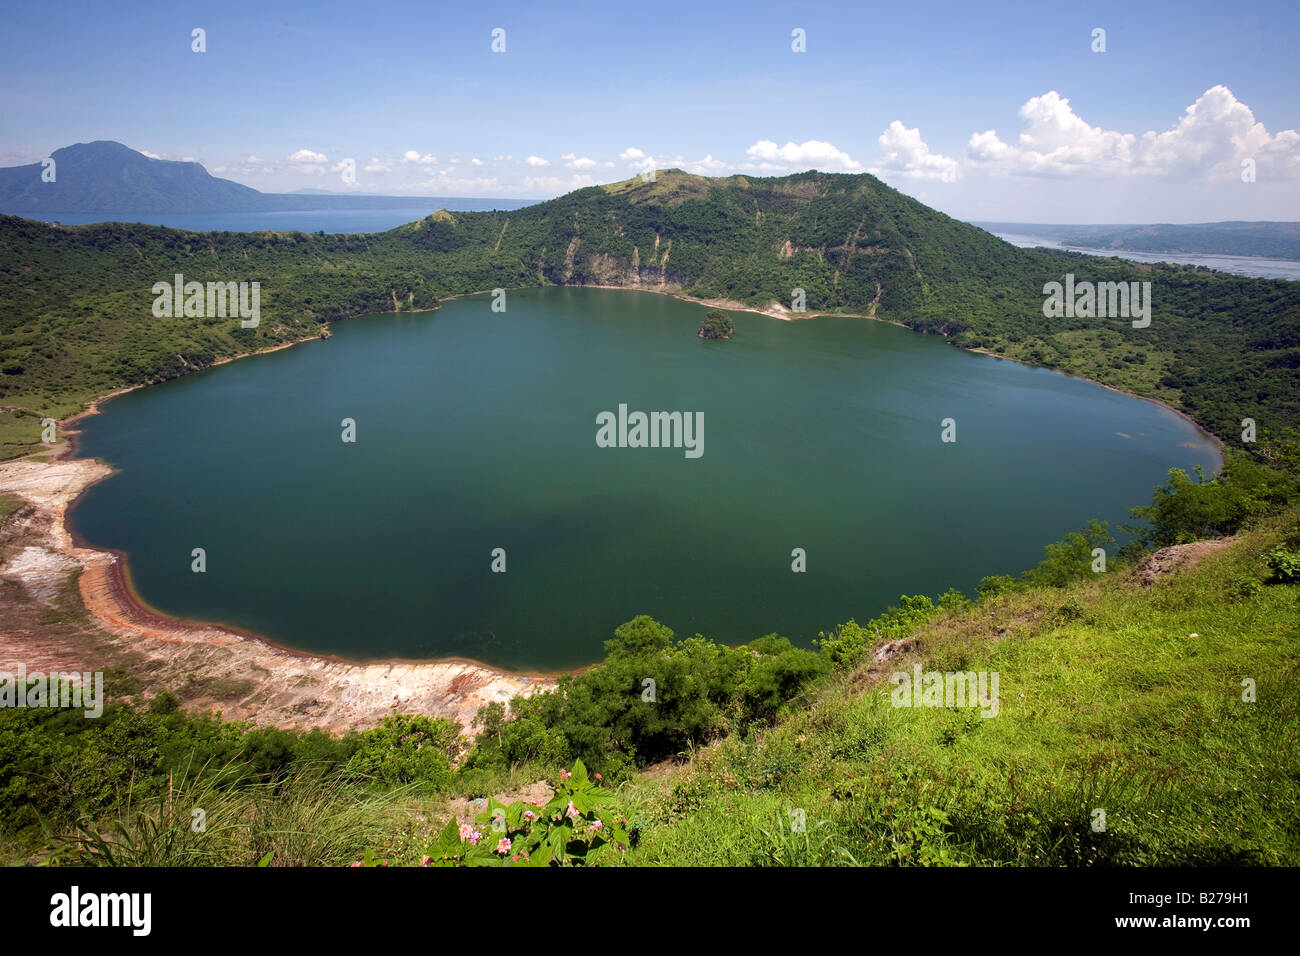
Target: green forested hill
{"x": 77, "y": 320}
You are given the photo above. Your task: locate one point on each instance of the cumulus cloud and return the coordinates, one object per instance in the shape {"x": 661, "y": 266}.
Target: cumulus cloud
{"x": 906, "y": 154}
{"x": 413, "y": 156}
{"x": 475, "y": 161}
{"x": 632, "y": 153}
{"x": 574, "y": 161}
{"x": 706, "y": 165}
{"x": 807, "y": 155}
{"x": 307, "y": 161}
{"x": 1214, "y": 136}
{"x": 375, "y": 166}
{"x": 537, "y": 161}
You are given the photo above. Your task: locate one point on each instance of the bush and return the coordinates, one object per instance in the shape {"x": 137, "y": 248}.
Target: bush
{"x": 1189, "y": 509}
{"x": 651, "y": 698}
{"x": 580, "y": 826}
{"x": 1069, "y": 559}
{"x": 852, "y": 640}
{"x": 408, "y": 748}
{"x": 1284, "y": 565}
{"x": 716, "y": 325}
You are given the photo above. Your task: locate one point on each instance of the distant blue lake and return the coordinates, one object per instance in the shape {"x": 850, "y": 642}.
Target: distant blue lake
{"x": 306, "y": 220}
{"x": 1255, "y": 266}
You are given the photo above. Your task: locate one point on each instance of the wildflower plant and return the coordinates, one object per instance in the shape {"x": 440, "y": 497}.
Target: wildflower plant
{"x": 580, "y": 826}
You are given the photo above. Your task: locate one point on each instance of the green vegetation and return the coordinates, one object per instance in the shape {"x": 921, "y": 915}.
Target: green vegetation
{"x": 78, "y": 320}
{"x": 650, "y": 699}
{"x": 580, "y": 826}
{"x": 716, "y": 325}
{"x": 1168, "y": 708}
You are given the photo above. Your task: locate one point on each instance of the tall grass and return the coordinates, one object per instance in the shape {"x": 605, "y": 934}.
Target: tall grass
{"x": 307, "y": 818}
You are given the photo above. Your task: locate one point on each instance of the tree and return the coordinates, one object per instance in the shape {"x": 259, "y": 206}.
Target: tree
{"x": 716, "y": 325}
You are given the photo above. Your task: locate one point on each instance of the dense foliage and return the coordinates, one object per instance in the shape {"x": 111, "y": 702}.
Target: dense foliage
{"x": 652, "y": 697}
{"x": 716, "y": 325}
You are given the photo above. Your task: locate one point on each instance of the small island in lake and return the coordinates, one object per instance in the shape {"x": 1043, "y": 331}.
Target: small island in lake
{"x": 717, "y": 325}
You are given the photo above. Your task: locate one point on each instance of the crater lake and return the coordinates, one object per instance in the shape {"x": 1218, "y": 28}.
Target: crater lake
{"x": 476, "y": 430}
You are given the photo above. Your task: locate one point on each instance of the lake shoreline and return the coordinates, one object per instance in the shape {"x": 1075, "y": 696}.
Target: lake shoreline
{"x": 269, "y": 684}
{"x": 1209, "y": 436}
{"x": 112, "y": 603}
{"x": 127, "y": 602}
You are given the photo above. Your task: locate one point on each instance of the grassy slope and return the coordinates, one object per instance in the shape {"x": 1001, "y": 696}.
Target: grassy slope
{"x": 1122, "y": 709}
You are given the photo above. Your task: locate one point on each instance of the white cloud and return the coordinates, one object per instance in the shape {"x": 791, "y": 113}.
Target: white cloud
{"x": 807, "y": 155}
{"x": 1213, "y": 137}
{"x": 445, "y": 183}
{"x": 557, "y": 184}
{"x": 413, "y": 156}
{"x": 308, "y": 162}
{"x": 631, "y": 153}
{"x": 537, "y": 161}
{"x": 374, "y": 166}
{"x": 908, "y": 155}
{"x": 476, "y": 161}
{"x": 578, "y": 162}
{"x": 145, "y": 152}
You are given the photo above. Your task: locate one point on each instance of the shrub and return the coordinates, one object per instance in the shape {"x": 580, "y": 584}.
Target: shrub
{"x": 1284, "y": 565}
{"x": 408, "y": 749}
{"x": 580, "y": 826}
{"x": 716, "y": 325}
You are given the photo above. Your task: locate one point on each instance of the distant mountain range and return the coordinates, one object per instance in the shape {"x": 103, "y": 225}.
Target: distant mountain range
{"x": 107, "y": 177}
{"x": 1272, "y": 240}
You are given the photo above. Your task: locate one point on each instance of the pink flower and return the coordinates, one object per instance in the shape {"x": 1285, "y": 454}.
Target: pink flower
{"x": 597, "y": 826}
{"x": 515, "y": 857}
{"x": 565, "y": 775}
{"x": 530, "y": 815}
{"x": 597, "y": 776}
{"x": 503, "y": 846}
{"x": 572, "y": 812}
{"x": 475, "y": 837}
{"x": 425, "y": 860}
{"x": 358, "y": 864}
{"x": 466, "y": 831}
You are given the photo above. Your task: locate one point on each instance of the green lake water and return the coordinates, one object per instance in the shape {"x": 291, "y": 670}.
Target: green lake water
{"x": 477, "y": 430}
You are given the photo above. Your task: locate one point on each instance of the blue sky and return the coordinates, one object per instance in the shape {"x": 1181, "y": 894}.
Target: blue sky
{"x": 985, "y": 114}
